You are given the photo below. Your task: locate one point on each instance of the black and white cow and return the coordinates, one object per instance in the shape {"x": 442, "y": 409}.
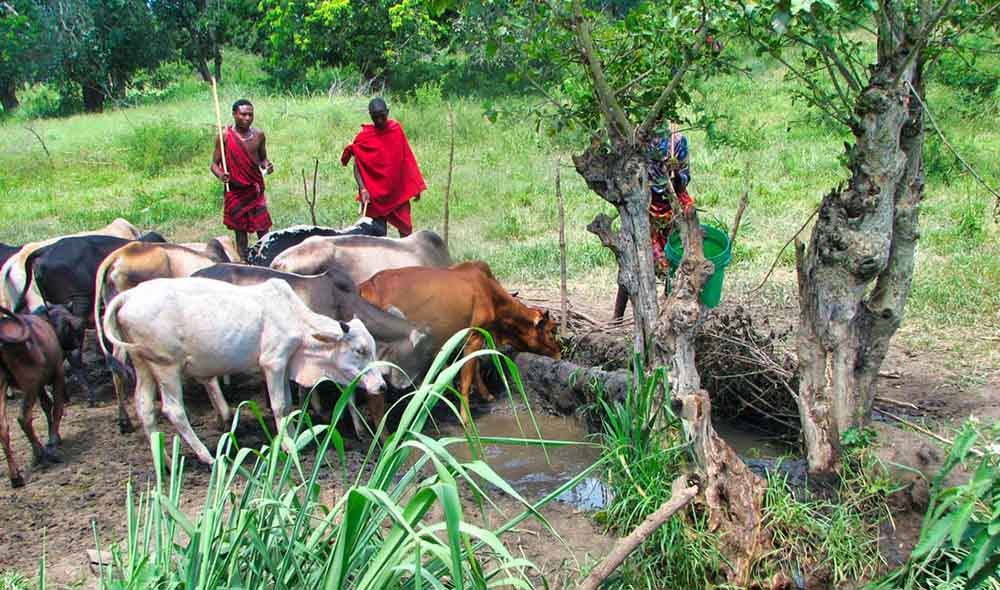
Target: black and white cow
{"x": 275, "y": 242}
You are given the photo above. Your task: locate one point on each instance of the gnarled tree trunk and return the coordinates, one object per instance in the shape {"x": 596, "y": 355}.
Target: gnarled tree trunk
{"x": 8, "y": 95}
{"x": 93, "y": 97}
{"x": 618, "y": 176}
{"x": 866, "y": 232}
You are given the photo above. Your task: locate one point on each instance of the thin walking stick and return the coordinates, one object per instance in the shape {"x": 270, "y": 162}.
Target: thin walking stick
{"x": 218, "y": 125}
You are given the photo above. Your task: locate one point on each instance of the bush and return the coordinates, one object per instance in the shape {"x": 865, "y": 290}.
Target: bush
{"x": 42, "y": 101}
{"x": 155, "y": 147}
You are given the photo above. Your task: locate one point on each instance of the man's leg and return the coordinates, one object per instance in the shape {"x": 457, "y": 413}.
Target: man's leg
{"x": 241, "y": 243}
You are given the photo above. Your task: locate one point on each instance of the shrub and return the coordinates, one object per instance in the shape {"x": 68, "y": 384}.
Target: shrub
{"x": 155, "y": 147}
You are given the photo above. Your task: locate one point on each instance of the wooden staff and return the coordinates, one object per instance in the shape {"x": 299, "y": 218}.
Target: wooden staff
{"x": 218, "y": 125}
{"x": 451, "y": 165}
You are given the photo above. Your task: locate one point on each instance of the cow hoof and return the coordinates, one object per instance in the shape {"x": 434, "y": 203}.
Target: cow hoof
{"x": 125, "y": 427}
{"x": 17, "y": 482}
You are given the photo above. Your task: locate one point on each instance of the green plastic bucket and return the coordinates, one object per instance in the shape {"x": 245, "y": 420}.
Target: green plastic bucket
{"x": 717, "y": 249}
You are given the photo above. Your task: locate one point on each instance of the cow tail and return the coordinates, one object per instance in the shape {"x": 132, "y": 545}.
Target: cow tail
{"x": 102, "y": 273}
{"x": 29, "y": 274}
{"x": 113, "y": 332}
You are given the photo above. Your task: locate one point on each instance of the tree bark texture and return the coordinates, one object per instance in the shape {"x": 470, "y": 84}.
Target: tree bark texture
{"x": 93, "y": 97}
{"x": 8, "y": 95}
{"x": 864, "y": 233}
{"x": 732, "y": 494}
{"x": 683, "y": 312}
{"x": 201, "y": 66}
{"x": 618, "y": 175}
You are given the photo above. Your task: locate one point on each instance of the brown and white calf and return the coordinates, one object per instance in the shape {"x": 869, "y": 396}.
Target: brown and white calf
{"x": 30, "y": 359}
{"x": 202, "y": 328}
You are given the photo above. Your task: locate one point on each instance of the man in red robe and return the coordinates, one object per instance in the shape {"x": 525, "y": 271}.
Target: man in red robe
{"x": 385, "y": 169}
{"x": 245, "y": 205}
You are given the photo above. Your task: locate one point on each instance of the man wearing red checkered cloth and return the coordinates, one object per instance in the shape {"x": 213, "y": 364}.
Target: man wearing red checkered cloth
{"x": 385, "y": 169}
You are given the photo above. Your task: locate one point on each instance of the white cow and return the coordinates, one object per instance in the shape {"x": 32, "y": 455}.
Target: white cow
{"x": 203, "y": 328}
{"x": 12, "y": 275}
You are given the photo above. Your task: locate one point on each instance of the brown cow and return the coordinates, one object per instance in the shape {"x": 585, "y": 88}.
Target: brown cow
{"x": 30, "y": 359}
{"x": 221, "y": 249}
{"x": 128, "y": 266}
{"x": 466, "y": 295}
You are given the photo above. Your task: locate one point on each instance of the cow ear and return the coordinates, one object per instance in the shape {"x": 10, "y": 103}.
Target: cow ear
{"x": 539, "y": 318}
{"x": 327, "y": 338}
{"x": 345, "y": 327}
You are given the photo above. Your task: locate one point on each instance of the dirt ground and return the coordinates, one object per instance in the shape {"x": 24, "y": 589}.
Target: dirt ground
{"x": 62, "y": 505}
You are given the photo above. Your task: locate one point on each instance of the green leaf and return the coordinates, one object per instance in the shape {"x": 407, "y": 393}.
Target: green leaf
{"x": 780, "y": 22}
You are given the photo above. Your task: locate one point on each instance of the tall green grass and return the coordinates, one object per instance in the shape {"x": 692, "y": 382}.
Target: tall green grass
{"x": 263, "y": 522}
{"x": 835, "y": 541}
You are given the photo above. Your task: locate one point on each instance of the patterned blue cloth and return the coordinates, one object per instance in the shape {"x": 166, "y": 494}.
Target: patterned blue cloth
{"x": 658, "y": 167}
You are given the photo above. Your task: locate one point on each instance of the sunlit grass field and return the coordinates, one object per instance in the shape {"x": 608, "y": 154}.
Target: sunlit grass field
{"x": 149, "y": 164}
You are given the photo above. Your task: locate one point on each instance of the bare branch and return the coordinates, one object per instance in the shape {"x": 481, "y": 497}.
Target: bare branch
{"x": 930, "y": 117}
{"x": 615, "y": 117}
{"x": 664, "y": 96}
{"x": 41, "y": 141}
{"x": 922, "y": 38}
{"x": 661, "y": 102}
{"x": 681, "y": 494}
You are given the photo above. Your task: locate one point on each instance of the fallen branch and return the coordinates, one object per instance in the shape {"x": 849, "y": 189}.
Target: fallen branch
{"x": 778, "y": 257}
{"x": 924, "y": 431}
{"x": 896, "y": 402}
{"x": 680, "y": 497}
{"x": 41, "y": 141}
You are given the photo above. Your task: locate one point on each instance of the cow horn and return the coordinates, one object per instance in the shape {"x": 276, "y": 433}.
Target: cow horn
{"x": 514, "y": 293}
{"x": 15, "y": 332}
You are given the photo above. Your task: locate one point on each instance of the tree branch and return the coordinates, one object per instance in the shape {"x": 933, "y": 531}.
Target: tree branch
{"x": 922, "y": 38}
{"x": 661, "y": 102}
{"x": 681, "y": 495}
{"x": 615, "y": 117}
{"x": 930, "y": 117}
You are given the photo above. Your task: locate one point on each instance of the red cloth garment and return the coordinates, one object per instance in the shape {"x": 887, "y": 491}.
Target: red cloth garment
{"x": 245, "y": 205}
{"x": 401, "y": 220}
{"x": 388, "y": 169}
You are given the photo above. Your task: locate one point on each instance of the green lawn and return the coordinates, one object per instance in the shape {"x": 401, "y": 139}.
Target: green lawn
{"x": 150, "y": 164}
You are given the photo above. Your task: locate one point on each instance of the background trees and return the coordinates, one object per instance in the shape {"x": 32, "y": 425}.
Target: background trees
{"x": 98, "y": 45}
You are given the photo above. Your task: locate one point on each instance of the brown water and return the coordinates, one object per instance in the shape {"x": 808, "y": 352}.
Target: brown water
{"x": 535, "y": 472}
{"x": 750, "y": 443}
{"x": 532, "y": 470}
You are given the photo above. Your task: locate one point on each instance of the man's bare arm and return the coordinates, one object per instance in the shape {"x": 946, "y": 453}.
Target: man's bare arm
{"x": 216, "y": 166}
{"x": 262, "y": 152}
{"x": 361, "y": 184}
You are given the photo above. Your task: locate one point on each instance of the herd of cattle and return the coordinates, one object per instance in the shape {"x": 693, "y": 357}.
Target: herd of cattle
{"x": 308, "y": 303}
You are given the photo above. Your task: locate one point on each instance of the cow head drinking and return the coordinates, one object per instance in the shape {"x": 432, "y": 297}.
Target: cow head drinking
{"x": 340, "y": 351}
